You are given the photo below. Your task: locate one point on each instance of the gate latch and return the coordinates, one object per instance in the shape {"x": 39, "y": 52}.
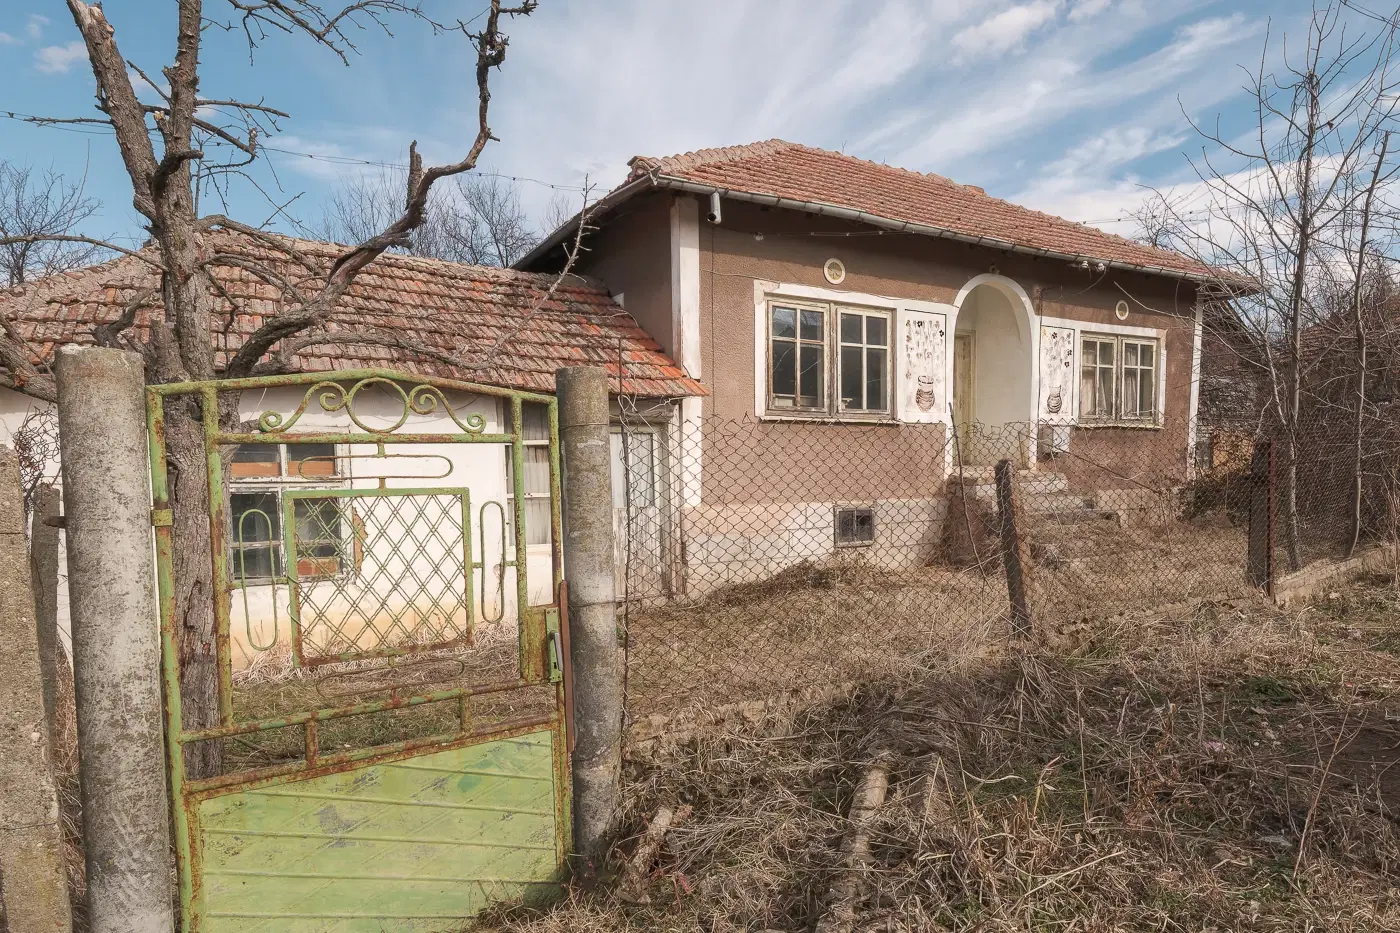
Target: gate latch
{"x": 556, "y": 645}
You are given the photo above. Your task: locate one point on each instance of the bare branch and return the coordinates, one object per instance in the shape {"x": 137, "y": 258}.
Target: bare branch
{"x": 91, "y": 241}
{"x": 491, "y": 46}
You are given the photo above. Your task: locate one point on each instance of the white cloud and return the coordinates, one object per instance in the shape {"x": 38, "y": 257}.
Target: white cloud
{"x": 1087, "y": 9}
{"x": 1005, "y": 30}
{"x": 35, "y": 25}
{"x": 59, "y": 59}
{"x": 7, "y": 39}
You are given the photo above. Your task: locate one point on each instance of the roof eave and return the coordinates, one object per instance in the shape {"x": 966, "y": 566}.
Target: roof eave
{"x": 905, "y": 226}
{"x": 675, "y": 183}
{"x": 566, "y": 229}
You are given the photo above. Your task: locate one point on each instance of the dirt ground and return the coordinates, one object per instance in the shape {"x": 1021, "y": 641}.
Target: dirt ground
{"x": 1226, "y": 766}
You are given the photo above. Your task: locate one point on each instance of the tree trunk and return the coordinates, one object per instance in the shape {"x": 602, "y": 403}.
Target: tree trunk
{"x": 193, "y": 575}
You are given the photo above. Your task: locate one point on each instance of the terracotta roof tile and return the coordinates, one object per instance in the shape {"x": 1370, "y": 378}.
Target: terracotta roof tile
{"x": 454, "y": 308}
{"x": 782, "y": 169}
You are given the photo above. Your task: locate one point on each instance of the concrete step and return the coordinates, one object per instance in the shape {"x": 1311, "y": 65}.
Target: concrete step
{"x": 981, "y": 482}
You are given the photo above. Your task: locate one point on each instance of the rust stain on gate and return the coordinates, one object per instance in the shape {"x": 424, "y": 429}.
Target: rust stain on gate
{"x": 444, "y": 785}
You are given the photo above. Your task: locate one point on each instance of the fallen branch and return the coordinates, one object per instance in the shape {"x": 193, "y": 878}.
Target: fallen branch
{"x": 633, "y": 887}
{"x": 840, "y": 913}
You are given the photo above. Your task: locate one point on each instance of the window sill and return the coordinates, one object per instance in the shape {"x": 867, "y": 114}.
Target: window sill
{"x": 1134, "y": 425}
{"x": 825, "y": 418}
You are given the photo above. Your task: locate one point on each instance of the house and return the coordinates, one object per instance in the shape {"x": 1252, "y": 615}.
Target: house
{"x": 456, "y": 310}
{"x": 813, "y": 353}
{"x": 815, "y": 294}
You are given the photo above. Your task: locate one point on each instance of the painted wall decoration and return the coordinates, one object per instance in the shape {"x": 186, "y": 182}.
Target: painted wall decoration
{"x": 1057, "y": 374}
{"x": 922, "y": 387}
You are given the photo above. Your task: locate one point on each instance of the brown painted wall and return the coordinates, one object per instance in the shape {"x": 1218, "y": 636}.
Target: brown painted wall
{"x": 631, "y": 254}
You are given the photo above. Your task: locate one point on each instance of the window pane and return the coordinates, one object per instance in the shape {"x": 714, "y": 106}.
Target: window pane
{"x": 534, "y": 422}
{"x": 875, "y": 376}
{"x": 256, "y": 460}
{"x": 784, "y": 375}
{"x": 318, "y": 536}
{"x": 305, "y": 460}
{"x": 812, "y": 328}
{"x": 1146, "y": 351}
{"x": 257, "y": 530}
{"x": 537, "y": 521}
{"x": 812, "y": 387}
{"x": 1130, "y": 393}
{"x": 1130, "y": 354}
{"x": 1147, "y": 395}
{"x": 1105, "y": 353}
{"x": 850, "y": 328}
{"x": 784, "y": 322}
{"x": 1086, "y": 390}
{"x": 876, "y": 331}
{"x": 537, "y": 470}
{"x": 851, "y": 381}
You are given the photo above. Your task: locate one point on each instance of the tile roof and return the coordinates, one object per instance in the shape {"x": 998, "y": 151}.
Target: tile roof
{"x": 451, "y": 307}
{"x": 780, "y": 169}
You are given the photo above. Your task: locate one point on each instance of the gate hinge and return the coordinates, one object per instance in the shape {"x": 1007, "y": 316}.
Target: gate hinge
{"x": 162, "y": 518}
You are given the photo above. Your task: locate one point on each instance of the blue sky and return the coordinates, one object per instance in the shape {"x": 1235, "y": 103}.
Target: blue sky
{"x": 1068, "y": 106}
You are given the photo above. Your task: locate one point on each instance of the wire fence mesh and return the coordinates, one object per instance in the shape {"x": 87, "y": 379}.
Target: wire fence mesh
{"x": 760, "y": 557}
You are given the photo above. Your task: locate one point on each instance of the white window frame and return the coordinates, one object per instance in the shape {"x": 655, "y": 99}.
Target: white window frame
{"x": 547, "y": 544}
{"x": 1118, "y": 332}
{"x": 1120, "y": 343}
{"x": 835, "y": 390}
{"x": 276, "y": 486}
{"x": 766, "y": 293}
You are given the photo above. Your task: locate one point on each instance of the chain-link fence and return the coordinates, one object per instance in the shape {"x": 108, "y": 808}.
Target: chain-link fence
{"x": 758, "y": 557}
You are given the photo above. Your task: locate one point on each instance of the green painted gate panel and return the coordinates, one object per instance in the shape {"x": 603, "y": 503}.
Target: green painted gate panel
{"x": 415, "y": 844}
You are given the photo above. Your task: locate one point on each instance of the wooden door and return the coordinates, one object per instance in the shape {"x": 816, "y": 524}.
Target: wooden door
{"x": 963, "y": 363}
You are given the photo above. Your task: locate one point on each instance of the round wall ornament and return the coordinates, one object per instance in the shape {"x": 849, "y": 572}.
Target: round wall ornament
{"x": 1120, "y": 310}
{"x": 835, "y": 271}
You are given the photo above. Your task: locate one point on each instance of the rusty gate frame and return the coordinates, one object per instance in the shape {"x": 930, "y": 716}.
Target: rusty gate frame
{"x": 542, "y": 629}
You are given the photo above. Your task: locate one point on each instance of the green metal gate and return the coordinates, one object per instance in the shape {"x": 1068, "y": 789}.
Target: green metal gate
{"x": 392, "y": 750}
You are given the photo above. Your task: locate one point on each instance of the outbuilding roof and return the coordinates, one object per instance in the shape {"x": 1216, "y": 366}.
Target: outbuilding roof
{"x": 503, "y": 318}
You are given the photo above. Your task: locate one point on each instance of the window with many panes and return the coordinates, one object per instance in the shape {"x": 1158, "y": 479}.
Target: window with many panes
{"x": 1118, "y": 378}
{"x": 261, "y": 475}
{"x": 797, "y": 358}
{"x": 864, "y": 361}
{"x": 535, "y": 431}
{"x": 828, "y": 359}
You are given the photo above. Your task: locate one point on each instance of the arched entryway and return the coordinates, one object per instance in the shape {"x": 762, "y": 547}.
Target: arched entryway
{"x": 994, "y": 352}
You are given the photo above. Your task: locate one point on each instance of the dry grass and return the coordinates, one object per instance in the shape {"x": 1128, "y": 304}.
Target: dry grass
{"x": 1223, "y": 768}
{"x": 849, "y": 620}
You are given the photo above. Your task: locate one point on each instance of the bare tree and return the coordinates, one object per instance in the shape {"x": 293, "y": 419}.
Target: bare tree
{"x": 1275, "y": 206}
{"x": 159, "y": 143}
{"x": 488, "y": 225}
{"x": 38, "y": 205}
{"x": 557, "y": 213}
{"x": 479, "y": 220}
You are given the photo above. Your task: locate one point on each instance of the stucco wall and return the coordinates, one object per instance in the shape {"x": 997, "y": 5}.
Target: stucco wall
{"x": 632, "y": 255}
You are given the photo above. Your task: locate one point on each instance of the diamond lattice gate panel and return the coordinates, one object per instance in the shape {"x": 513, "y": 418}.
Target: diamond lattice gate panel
{"x": 379, "y": 743}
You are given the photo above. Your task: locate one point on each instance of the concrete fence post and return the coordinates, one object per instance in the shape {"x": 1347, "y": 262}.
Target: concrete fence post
{"x": 116, "y": 640}
{"x": 588, "y": 566}
{"x": 33, "y": 878}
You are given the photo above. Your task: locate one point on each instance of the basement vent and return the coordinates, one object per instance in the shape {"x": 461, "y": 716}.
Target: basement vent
{"x": 855, "y": 527}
